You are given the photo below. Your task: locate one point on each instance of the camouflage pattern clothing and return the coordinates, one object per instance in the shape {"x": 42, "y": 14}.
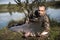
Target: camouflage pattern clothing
{"x": 40, "y": 24}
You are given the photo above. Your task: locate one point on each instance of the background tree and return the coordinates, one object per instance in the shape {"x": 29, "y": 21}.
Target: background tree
{"x": 9, "y": 8}
{"x": 29, "y": 6}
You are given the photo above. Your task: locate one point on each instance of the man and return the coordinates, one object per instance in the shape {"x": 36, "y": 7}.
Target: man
{"x": 39, "y": 24}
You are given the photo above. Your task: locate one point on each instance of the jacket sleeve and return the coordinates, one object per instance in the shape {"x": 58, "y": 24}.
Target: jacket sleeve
{"x": 47, "y": 24}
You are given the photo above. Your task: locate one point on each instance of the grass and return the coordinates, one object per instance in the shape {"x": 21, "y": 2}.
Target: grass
{"x": 55, "y": 30}
{"x": 6, "y": 34}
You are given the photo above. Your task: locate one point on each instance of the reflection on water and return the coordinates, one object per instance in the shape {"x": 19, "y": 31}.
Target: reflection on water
{"x": 5, "y": 18}
{"x": 54, "y": 14}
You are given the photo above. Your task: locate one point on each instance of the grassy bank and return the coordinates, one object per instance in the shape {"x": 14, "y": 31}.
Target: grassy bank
{"x": 6, "y": 34}
{"x": 55, "y": 30}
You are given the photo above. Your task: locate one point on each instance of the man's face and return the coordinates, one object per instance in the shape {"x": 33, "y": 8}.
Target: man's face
{"x": 41, "y": 10}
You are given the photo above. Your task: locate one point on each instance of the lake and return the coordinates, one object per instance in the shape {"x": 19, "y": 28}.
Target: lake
{"x": 5, "y": 17}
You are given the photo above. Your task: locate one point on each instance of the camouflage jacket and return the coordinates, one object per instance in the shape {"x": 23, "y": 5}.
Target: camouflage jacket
{"x": 40, "y": 24}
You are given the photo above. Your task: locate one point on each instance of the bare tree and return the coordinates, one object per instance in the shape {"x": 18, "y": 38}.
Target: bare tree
{"x": 18, "y": 2}
{"x": 29, "y": 6}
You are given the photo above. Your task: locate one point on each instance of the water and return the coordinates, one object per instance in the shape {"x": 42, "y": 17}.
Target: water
{"x": 5, "y": 17}
{"x": 54, "y": 14}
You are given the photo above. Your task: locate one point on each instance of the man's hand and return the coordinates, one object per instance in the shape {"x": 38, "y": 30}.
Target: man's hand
{"x": 27, "y": 22}
{"x": 27, "y": 34}
{"x": 44, "y": 33}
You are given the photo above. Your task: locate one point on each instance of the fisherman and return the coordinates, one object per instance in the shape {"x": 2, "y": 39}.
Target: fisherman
{"x": 39, "y": 24}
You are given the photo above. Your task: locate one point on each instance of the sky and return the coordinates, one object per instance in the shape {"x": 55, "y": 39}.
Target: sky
{"x": 12, "y": 1}
{"x": 7, "y": 1}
